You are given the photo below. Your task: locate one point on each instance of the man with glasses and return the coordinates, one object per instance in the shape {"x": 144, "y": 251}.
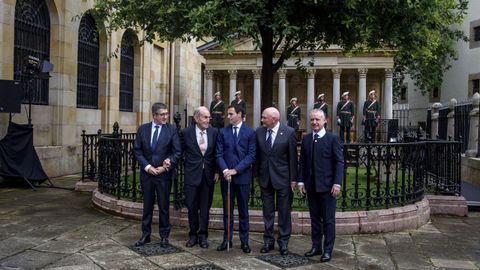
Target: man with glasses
{"x": 157, "y": 149}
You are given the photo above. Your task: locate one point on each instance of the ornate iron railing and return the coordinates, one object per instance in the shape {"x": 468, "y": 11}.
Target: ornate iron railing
{"x": 376, "y": 176}
{"x": 442, "y": 123}
{"x": 462, "y": 123}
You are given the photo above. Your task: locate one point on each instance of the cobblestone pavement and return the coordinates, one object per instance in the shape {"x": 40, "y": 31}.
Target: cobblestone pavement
{"x": 59, "y": 229}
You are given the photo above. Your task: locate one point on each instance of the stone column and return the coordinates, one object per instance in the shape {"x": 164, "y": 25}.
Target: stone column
{"x": 282, "y": 74}
{"x": 435, "y": 108}
{"x": 388, "y": 95}
{"x": 310, "y": 96}
{"x": 209, "y": 92}
{"x": 362, "y": 96}
{"x": 233, "y": 86}
{"x": 474, "y": 127}
{"x": 335, "y": 98}
{"x": 257, "y": 75}
{"x": 451, "y": 119}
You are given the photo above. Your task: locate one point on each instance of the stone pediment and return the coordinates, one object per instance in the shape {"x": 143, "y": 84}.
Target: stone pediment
{"x": 245, "y": 44}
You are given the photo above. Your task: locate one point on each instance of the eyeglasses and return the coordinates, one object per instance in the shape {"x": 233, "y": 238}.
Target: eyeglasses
{"x": 162, "y": 114}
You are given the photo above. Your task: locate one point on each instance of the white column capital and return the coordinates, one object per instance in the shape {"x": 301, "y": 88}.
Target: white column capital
{"x": 257, "y": 73}
{"x": 311, "y": 73}
{"x": 336, "y": 73}
{"x": 362, "y": 72}
{"x": 388, "y": 72}
{"x": 209, "y": 74}
{"x": 282, "y": 73}
{"x": 233, "y": 74}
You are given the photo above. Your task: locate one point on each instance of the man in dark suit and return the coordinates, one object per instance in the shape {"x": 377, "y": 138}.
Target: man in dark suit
{"x": 236, "y": 150}
{"x": 320, "y": 171}
{"x": 200, "y": 175}
{"x": 157, "y": 149}
{"x": 277, "y": 173}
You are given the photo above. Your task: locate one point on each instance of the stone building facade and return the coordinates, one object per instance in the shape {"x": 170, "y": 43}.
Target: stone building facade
{"x": 332, "y": 73}
{"x": 88, "y": 89}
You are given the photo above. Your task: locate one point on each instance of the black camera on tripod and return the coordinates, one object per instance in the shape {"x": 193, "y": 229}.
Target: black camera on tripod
{"x": 34, "y": 68}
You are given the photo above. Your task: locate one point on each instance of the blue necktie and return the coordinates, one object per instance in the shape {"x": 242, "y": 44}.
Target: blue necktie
{"x": 235, "y": 134}
{"x": 269, "y": 140}
{"x": 155, "y": 136}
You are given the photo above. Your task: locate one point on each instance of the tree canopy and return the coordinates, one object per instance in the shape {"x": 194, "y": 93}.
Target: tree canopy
{"x": 421, "y": 31}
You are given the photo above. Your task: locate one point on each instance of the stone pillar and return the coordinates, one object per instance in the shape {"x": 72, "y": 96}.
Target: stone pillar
{"x": 388, "y": 95}
{"x": 474, "y": 126}
{"x": 362, "y": 96}
{"x": 209, "y": 92}
{"x": 257, "y": 107}
{"x": 233, "y": 86}
{"x": 435, "y": 108}
{"x": 335, "y": 98}
{"x": 451, "y": 119}
{"x": 281, "y": 105}
{"x": 310, "y": 96}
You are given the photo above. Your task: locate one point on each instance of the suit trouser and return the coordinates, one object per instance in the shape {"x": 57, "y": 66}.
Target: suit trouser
{"x": 242, "y": 193}
{"x": 322, "y": 206}
{"x": 344, "y": 130}
{"x": 198, "y": 200}
{"x": 161, "y": 188}
{"x": 284, "y": 206}
{"x": 370, "y": 130}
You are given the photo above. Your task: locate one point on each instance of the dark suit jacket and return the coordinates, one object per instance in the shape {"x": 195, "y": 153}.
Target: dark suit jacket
{"x": 194, "y": 160}
{"x": 280, "y": 162}
{"x": 329, "y": 163}
{"x": 168, "y": 146}
{"x": 239, "y": 156}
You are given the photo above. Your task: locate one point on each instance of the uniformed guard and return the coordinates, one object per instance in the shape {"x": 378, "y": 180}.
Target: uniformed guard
{"x": 293, "y": 114}
{"x": 239, "y": 101}
{"x": 322, "y": 105}
{"x": 217, "y": 110}
{"x": 345, "y": 117}
{"x": 371, "y": 116}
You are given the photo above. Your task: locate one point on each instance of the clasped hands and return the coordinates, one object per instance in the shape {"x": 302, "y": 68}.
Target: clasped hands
{"x": 160, "y": 169}
{"x": 227, "y": 174}
{"x": 335, "y": 191}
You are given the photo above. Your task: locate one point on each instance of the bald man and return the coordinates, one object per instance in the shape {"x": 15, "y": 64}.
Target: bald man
{"x": 276, "y": 174}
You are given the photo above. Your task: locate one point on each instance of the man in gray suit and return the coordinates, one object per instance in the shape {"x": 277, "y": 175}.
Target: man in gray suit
{"x": 276, "y": 173}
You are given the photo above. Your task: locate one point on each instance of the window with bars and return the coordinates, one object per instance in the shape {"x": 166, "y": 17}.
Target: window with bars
{"x": 476, "y": 33}
{"x": 127, "y": 71}
{"x": 32, "y": 38}
{"x": 476, "y": 86}
{"x": 88, "y": 63}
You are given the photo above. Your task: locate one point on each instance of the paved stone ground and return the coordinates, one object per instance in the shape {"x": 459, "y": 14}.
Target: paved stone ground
{"x": 59, "y": 229}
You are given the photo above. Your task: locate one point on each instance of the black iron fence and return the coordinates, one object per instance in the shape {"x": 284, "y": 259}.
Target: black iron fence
{"x": 376, "y": 175}
{"x": 462, "y": 123}
{"x": 443, "y": 122}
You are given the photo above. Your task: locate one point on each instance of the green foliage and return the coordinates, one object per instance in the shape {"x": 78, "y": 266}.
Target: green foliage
{"x": 420, "y": 31}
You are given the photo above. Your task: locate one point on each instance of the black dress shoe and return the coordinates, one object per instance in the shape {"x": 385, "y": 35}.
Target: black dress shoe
{"x": 142, "y": 241}
{"x": 266, "y": 248}
{"x": 164, "y": 242}
{"x": 203, "y": 244}
{"x": 312, "y": 252}
{"x": 191, "y": 242}
{"x": 283, "y": 250}
{"x": 223, "y": 246}
{"x": 326, "y": 257}
{"x": 246, "y": 248}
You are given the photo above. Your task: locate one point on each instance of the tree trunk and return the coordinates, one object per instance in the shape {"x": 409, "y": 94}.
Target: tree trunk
{"x": 267, "y": 68}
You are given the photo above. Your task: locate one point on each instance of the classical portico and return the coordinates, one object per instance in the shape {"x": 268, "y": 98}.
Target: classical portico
{"x": 331, "y": 73}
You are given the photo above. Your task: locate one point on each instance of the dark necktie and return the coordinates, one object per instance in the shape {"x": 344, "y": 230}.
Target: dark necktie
{"x": 155, "y": 136}
{"x": 235, "y": 134}
{"x": 314, "y": 153}
{"x": 268, "y": 142}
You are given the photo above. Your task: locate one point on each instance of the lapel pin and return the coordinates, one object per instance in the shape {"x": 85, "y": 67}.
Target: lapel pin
{"x": 281, "y": 133}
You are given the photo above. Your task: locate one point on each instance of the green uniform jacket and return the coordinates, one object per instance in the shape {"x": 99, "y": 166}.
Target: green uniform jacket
{"x": 324, "y": 108}
{"x": 242, "y": 104}
{"x": 346, "y": 114}
{"x": 217, "y": 113}
{"x": 371, "y": 112}
{"x": 293, "y": 116}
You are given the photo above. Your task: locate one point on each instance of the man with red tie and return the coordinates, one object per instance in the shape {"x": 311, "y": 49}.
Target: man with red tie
{"x": 200, "y": 175}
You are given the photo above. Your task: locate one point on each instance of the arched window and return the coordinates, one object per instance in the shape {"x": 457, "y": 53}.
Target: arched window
{"x": 88, "y": 61}
{"x": 32, "y": 38}
{"x": 127, "y": 71}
